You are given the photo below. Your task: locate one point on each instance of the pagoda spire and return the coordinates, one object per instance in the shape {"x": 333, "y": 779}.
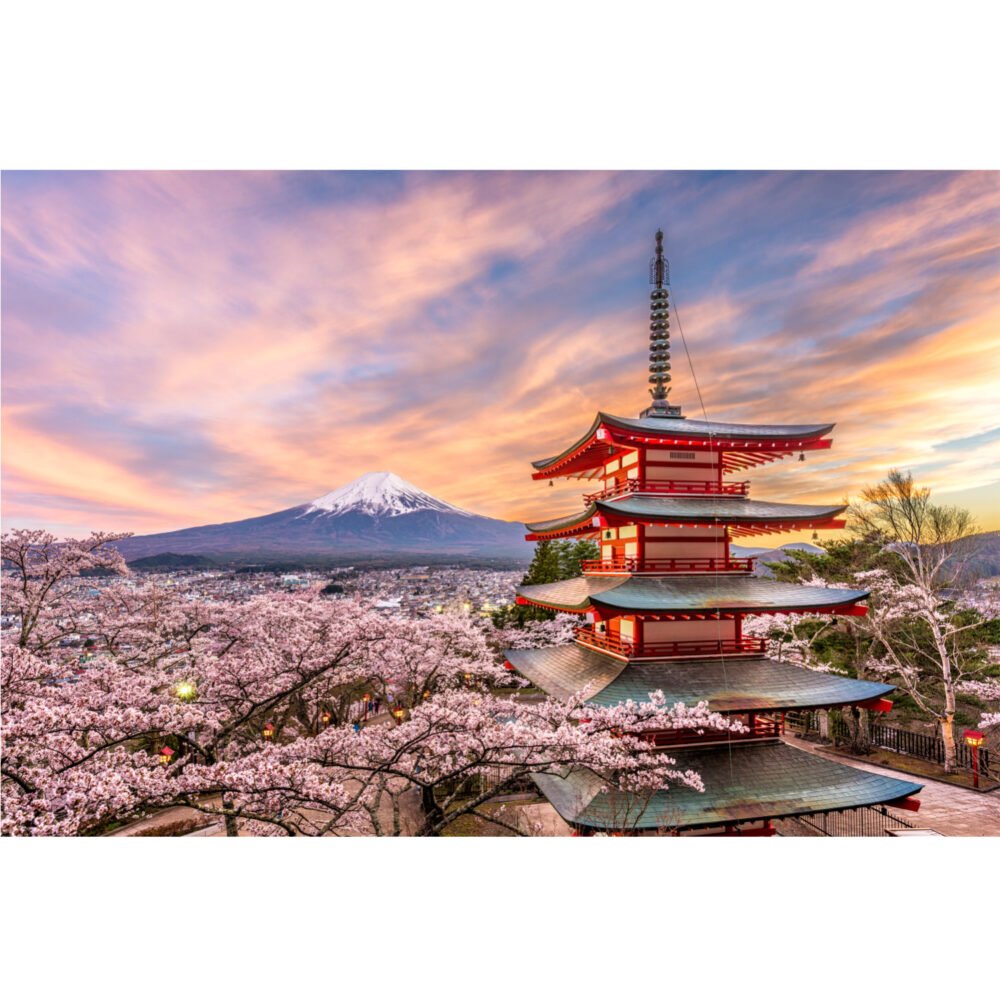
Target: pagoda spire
{"x": 659, "y": 335}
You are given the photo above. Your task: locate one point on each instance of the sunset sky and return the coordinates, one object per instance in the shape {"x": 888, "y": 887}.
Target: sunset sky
{"x": 189, "y": 348}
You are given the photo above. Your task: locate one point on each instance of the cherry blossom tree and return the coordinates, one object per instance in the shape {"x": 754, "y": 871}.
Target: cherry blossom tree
{"x": 41, "y": 564}
{"x": 260, "y": 713}
{"x": 916, "y": 602}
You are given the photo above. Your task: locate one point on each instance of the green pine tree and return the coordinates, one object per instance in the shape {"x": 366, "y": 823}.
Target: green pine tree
{"x": 553, "y": 560}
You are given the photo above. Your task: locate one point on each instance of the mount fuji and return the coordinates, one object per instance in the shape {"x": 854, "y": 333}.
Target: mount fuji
{"x": 377, "y": 518}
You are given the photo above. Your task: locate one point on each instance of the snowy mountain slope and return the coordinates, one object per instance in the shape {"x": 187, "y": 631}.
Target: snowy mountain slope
{"x": 380, "y": 494}
{"x": 376, "y": 517}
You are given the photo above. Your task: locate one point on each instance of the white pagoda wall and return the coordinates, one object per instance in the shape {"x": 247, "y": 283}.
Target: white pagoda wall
{"x": 684, "y": 631}
{"x": 687, "y": 464}
{"x": 705, "y": 543}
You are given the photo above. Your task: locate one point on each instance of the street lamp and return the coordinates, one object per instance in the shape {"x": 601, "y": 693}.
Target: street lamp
{"x": 974, "y": 740}
{"x": 399, "y": 714}
{"x": 268, "y": 731}
{"x": 325, "y": 718}
{"x": 165, "y": 754}
{"x": 186, "y": 691}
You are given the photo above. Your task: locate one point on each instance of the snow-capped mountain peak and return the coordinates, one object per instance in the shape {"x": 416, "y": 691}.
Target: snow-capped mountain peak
{"x": 380, "y": 494}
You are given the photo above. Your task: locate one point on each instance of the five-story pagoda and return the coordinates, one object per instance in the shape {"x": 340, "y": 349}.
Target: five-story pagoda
{"x": 663, "y": 609}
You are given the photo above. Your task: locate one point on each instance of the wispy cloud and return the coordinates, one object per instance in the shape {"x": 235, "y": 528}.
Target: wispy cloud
{"x": 186, "y": 348}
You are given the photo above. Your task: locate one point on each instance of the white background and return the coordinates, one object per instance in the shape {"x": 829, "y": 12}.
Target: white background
{"x": 512, "y": 85}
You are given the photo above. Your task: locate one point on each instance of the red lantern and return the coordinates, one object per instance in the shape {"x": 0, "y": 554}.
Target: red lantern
{"x": 268, "y": 731}
{"x": 974, "y": 740}
{"x": 325, "y": 718}
{"x": 165, "y": 754}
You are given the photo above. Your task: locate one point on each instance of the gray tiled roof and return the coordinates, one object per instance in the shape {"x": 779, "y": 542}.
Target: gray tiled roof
{"x": 749, "y": 781}
{"x": 693, "y": 429}
{"x": 694, "y": 510}
{"x": 734, "y": 685}
{"x": 685, "y": 592}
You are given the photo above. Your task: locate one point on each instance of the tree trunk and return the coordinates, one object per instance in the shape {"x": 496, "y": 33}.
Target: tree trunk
{"x": 232, "y": 828}
{"x": 857, "y": 726}
{"x": 823, "y": 718}
{"x": 948, "y": 739}
{"x": 433, "y": 813}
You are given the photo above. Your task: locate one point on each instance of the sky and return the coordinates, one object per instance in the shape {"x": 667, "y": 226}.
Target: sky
{"x": 195, "y": 347}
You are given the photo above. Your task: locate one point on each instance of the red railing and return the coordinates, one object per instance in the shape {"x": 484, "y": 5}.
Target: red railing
{"x": 660, "y": 486}
{"x": 759, "y": 729}
{"x": 588, "y": 636}
{"x": 633, "y": 564}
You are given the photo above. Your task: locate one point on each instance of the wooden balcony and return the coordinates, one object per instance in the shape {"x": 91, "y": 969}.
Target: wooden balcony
{"x": 669, "y": 487}
{"x": 633, "y": 564}
{"x": 587, "y": 635}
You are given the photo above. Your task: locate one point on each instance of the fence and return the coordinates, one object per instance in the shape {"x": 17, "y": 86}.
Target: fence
{"x": 901, "y": 741}
{"x": 489, "y": 779}
{"x": 868, "y": 821}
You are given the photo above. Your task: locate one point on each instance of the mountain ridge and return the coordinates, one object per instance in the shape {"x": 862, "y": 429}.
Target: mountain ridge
{"x": 374, "y": 517}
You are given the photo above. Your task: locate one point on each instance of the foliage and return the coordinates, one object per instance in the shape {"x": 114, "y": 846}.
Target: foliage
{"x": 256, "y": 712}
{"x": 552, "y": 561}
{"x": 927, "y": 629}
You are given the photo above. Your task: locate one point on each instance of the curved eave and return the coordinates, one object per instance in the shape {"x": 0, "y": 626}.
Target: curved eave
{"x": 680, "y": 594}
{"x": 743, "y": 783}
{"x": 743, "y": 516}
{"x": 607, "y": 431}
{"x": 755, "y": 684}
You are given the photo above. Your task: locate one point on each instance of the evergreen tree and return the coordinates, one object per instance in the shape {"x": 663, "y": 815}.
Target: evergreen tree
{"x": 553, "y": 560}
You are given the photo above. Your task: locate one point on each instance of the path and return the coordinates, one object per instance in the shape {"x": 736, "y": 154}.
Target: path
{"x": 948, "y": 809}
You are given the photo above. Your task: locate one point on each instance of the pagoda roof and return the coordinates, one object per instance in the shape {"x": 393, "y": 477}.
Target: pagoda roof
{"x": 682, "y": 430}
{"x": 743, "y": 782}
{"x": 686, "y": 593}
{"x": 737, "y": 685}
{"x": 738, "y": 512}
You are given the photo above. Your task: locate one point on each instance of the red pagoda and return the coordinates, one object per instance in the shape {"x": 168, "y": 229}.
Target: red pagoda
{"x": 663, "y": 606}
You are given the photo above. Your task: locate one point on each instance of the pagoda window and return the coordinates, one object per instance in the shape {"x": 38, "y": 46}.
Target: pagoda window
{"x": 664, "y": 456}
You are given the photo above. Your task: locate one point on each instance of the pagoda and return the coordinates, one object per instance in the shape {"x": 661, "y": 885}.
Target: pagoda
{"x": 663, "y": 606}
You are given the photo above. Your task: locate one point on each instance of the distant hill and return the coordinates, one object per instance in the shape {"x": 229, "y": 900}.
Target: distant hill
{"x": 985, "y": 560}
{"x": 376, "y": 518}
{"x": 764, "y": 555}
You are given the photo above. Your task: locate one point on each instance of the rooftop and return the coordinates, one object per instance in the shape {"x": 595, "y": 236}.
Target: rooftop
{"x": 685, "y": 431}
{"x": 743, "y": 782}
{"x": 686, "y": 593}
{"x": 737, "y": 685}
{"x": 725, "y": 510}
